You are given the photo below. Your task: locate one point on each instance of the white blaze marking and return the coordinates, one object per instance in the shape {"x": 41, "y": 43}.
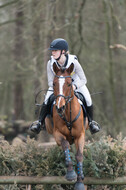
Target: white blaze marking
{"x": 61, "y": 83}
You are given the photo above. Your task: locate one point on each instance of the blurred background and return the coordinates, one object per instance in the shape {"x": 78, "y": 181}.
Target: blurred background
{"x": 96, "y": 33}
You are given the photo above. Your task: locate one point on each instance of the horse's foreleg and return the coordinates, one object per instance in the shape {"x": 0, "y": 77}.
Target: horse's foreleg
{"x": 66, "y": 146}
{"x": 79, "y": 157}
{"x": 71, "y": 175}
{"x": 61, "y": 140}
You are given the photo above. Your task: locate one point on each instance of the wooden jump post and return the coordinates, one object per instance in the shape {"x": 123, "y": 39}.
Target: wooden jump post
{"x": 59, "y": 180}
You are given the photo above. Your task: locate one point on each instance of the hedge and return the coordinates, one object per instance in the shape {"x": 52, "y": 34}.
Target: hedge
{"x": 103, "y": 158}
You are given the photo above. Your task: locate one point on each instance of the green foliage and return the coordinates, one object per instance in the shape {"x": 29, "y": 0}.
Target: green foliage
{"x": 56, "y": 162}
{"x": 103, "y": 158}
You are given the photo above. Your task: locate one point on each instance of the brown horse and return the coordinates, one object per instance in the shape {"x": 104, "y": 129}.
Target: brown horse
{"x": 68, "y": 122}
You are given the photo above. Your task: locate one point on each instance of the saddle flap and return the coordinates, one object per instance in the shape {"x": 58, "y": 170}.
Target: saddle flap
{"x": 82, "y": 101}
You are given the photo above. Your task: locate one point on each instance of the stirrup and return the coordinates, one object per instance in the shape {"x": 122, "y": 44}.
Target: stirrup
{"x": 94, "y": 127}
{"x": 35, "y": 126}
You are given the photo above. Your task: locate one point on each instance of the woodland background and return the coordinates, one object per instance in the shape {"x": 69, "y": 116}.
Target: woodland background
{"x": 91, "y": 27}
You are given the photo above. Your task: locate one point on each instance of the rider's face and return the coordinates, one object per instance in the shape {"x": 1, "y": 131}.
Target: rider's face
{"x": 56, "y": 53}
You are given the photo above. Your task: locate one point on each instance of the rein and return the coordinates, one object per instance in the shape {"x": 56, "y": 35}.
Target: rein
{"x": 68, "y": 100}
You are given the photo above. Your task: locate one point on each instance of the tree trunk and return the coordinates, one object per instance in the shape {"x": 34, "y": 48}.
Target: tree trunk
{"x": 36, "y": 45}
{"x": 18, "y": 55}
{"x": 110, "y": 65}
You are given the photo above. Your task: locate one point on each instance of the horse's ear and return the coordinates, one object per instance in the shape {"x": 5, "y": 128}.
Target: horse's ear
{"x": 55, "y": 68}
{"x": 70, "y": 68}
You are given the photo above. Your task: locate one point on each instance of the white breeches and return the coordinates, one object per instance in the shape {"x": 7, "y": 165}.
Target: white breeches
{"x": 84, "y": 90}
{"x": 48, "y": 94}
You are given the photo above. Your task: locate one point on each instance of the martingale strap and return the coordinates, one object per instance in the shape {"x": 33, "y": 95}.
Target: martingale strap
{"x": 69, "y": 124}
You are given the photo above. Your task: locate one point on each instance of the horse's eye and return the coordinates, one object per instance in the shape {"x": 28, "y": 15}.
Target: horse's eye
{"x": 53, "y": 84}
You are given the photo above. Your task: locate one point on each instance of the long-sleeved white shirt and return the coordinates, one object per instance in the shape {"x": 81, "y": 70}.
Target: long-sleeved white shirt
{"x": 78, "y": 75}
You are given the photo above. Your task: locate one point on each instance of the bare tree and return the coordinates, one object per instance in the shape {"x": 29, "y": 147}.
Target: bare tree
{"x": 18, "y": 55}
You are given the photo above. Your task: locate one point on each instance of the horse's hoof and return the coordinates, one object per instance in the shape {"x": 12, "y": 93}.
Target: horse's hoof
{"x": 79, "y": 186}
{"x": 71, "y": 175}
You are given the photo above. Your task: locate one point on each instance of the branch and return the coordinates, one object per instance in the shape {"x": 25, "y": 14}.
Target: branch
{"x": 118, "y": 46}
{"x": 11, "y": 21}
{"x": 9, "y": 3}
{"x": 7, "y": 22}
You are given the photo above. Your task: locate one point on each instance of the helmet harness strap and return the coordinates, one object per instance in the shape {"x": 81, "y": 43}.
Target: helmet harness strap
{"x": 60, "y": 55}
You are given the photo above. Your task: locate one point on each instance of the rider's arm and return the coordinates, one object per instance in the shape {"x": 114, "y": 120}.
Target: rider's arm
{"x": 50, "y": 74}
{"x": 79, "y": 71}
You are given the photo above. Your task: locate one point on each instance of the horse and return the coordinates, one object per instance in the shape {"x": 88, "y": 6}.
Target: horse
{"x": 68, "y": 123}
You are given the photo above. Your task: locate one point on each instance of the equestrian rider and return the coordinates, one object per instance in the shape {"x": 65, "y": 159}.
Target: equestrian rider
{"x": 60, "y": 56}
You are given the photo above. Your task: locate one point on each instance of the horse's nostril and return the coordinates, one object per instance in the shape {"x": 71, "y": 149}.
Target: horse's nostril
{"x": 61, "y": 109}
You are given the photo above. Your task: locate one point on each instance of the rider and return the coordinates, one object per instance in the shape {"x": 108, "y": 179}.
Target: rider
{"x": 62, "y": 58}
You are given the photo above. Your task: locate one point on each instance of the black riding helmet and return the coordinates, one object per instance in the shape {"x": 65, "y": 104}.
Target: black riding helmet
{"x": 59, "y": 44}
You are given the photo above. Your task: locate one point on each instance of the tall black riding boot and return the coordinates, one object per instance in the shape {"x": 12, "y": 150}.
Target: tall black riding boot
{"x": 93, "y": 126}
{"x": 36, "y": 126}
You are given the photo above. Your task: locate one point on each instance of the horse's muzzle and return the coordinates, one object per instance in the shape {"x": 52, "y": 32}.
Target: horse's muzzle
{"x": 61, "y": 109}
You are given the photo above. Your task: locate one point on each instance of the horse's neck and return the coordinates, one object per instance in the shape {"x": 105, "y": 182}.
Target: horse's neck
{"x": 74, "y": 102}
{"x": 73, "y": 106}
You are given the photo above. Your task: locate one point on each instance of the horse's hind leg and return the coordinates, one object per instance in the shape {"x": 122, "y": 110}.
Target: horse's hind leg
{"x": 71, "y": 175}
{"x": 79, "y": 157}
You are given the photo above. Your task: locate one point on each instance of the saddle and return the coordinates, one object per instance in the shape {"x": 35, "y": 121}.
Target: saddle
{"x": 82, "y": 101}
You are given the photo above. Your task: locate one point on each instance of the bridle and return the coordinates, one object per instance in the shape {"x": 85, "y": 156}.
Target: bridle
{"x": 68, "y": 99}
